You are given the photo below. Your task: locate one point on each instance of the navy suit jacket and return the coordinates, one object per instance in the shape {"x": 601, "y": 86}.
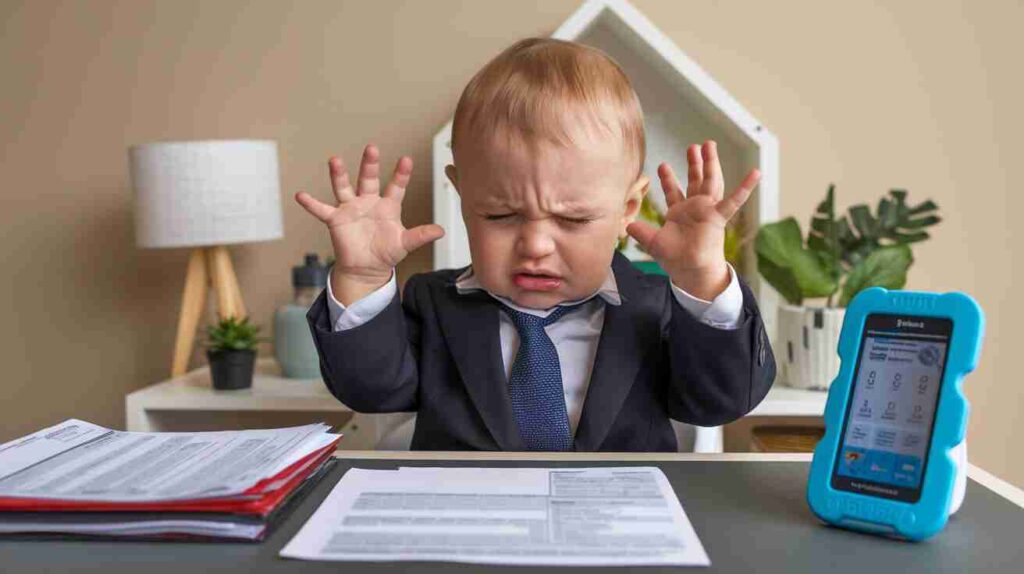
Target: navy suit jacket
{"x": 437, "y": 352}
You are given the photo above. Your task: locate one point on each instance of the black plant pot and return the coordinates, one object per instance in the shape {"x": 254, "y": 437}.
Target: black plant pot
{"x": 231, "y": 369}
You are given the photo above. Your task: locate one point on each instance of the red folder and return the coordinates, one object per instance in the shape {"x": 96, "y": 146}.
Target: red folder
{"x": 258, "y": 500}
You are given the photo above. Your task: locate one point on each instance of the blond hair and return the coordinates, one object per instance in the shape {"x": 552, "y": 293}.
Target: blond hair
{"x": 549, "y": 89}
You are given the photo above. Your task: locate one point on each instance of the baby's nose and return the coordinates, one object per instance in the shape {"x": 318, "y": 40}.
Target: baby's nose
{"x": 534, "y": 240}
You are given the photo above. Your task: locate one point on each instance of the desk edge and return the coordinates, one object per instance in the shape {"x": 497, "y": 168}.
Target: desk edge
{"x": 981, "y": 476}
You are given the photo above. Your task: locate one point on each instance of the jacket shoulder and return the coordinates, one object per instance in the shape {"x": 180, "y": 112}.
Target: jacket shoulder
{"x": 438, "y": 278}
{"x": 430, "y": 283}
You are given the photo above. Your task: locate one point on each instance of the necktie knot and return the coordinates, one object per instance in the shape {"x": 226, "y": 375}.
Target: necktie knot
{"x": 527, "y": 323}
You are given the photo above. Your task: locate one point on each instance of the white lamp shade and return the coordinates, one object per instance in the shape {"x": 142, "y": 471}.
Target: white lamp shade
{"x": 202, "y": 193}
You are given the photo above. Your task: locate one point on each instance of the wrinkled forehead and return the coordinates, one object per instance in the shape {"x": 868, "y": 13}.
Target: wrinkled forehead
{"x": 504, "y": 164}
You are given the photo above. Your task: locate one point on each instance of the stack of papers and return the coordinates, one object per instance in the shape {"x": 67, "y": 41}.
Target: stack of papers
{"x": 82, "y": 479}
{"x": 532, "y": 516}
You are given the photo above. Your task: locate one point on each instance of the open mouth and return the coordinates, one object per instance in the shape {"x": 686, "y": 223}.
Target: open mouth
{"x": 537, "y": 281}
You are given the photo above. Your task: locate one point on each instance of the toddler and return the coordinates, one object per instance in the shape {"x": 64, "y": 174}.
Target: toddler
{"x": 550, "y": 339}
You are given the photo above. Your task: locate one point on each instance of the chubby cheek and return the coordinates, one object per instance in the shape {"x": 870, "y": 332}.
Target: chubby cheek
{"x": 588, "y": 255}
{"x": 493, "y": 257}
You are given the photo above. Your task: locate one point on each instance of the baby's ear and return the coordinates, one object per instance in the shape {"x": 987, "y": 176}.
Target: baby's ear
{"x": 634, "y": 198}
{"x": 453, "y": 176}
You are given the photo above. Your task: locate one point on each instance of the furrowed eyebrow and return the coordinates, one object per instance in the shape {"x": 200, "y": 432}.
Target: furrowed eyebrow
{"x": 577, "y": 212}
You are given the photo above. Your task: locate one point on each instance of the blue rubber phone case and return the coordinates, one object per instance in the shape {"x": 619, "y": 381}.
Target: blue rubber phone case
{"x": 927, "y": 516}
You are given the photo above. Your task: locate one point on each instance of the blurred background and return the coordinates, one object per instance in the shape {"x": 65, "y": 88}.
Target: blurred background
{"x": 919, "y": 95}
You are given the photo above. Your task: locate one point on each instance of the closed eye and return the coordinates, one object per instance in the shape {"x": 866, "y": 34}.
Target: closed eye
{"x": 576, "y": 220}
{"x": 498, "y": 216}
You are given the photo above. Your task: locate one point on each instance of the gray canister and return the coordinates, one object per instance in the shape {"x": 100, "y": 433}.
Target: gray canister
{"x": 293, "y": 343}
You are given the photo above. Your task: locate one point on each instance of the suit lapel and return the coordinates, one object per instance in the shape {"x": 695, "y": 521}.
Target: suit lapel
{"x": 469, "y": 322}
{"x": 620, "y": 351}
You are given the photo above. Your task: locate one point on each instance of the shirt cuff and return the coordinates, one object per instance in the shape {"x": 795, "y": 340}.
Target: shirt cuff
{"x": 344, "y": 318}
{"x": 722, "y": 313}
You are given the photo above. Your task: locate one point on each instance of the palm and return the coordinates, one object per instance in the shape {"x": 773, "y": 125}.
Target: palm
{"x": 693, "y": 236}
{"x": 366, "y": 228}
{"x": 693, "y": 230}
{"x": 366, "y": 233}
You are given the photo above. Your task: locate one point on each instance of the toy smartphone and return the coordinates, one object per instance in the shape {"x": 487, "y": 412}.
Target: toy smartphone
{"x": 895, "y": 412}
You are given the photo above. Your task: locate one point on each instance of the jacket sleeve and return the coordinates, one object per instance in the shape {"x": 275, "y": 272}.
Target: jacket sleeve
{"x": 716, "y": 376}
{"x": 372, "y": 368}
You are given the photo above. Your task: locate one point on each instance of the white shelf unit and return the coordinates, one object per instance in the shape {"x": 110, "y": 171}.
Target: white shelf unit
{"x": 163, "y": 406}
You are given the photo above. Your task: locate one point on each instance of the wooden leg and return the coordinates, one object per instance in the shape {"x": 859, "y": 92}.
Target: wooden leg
{"x": 232, "y": 280}
{"x": 225, "y": 284}
{"x": 193, "y": 300}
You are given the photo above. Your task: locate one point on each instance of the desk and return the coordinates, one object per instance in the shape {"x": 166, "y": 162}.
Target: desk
{"x": 748, "y": 510}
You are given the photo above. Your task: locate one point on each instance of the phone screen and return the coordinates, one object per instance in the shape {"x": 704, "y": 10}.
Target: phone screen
{"x": 891, "y": 413}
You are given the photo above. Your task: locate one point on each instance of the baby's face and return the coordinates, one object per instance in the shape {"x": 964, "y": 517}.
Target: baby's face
{"x": 543, "y": 222}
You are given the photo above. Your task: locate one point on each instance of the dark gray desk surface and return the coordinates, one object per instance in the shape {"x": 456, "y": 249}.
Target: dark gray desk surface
{"x": 749, "y": 515}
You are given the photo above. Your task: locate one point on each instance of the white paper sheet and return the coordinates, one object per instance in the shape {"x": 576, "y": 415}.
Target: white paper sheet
{"x": 141, "y": 528}
{"x": 28, "y": 450}
{"x": 528, "y": 516}
{"x": 80, "y": 461}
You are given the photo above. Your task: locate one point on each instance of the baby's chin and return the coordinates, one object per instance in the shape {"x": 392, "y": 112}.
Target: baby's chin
{"x": 535, "y": 300}
{"x": 540, "y": 299}
{"x": 539, "y": 294}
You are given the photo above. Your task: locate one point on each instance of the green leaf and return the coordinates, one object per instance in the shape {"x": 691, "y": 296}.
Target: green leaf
{"x": 650, "y": 213}
{"x": 895, "y": 224}
{"x": 845, "y": 231}
{"x": 775, "y": 241}
{"x": 860, "y": 215}
{"x": 922, "y": 222}
{"x": 823, "y": 238}
{"x": 886, "y": 267}
{"x": 922, "y": 208}
{"x": 781, "y": 246}
{"x": 888, "y": 213}
{"x": 905, "y": 238}
{"x": 733, "y": 246}
{"x": 781, "y": 279}
{"x": 232, "y": 333}
{"x": 909, "y": 223}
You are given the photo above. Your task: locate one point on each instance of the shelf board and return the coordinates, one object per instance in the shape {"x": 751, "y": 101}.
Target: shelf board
{"x": 783, "y": 401}
{"x": 270, "y": 391}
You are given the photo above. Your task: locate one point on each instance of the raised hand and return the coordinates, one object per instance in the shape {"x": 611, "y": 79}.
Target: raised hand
{"x": 691, "y": 244}
{"x": 366, "y": 228}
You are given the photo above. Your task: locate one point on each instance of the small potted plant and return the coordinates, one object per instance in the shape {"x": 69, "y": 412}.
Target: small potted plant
{"x": 839, "y": 257}
{"x": 231, "y": 350}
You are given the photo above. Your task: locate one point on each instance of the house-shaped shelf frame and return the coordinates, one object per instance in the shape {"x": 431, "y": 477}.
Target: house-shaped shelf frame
{"x": 682, "y": 105}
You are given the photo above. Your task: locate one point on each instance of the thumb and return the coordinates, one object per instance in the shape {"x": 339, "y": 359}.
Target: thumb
{"x": 413, "y": 239}
{"x": 643, "y": 232}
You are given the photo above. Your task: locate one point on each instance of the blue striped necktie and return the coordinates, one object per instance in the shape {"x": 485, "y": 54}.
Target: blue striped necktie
{"x": 535, "y": 386}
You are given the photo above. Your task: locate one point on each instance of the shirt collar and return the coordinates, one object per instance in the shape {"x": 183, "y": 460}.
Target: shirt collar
{"x": 608, "y": 291}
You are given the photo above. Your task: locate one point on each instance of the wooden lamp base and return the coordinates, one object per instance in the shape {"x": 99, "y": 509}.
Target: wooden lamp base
{"x": 207, "y": 267}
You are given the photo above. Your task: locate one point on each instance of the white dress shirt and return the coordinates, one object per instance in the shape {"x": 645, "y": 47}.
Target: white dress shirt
{"x": 575, "y": 335}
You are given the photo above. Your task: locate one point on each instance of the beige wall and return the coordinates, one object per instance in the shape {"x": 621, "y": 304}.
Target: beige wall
{"x": 922, "y": 95}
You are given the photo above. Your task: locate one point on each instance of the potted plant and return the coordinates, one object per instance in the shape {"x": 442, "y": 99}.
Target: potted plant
{"x": 839, "y": 257}
{"x": 231, "y": 350}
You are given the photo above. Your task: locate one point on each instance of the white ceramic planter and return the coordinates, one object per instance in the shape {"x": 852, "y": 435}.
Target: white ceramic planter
{"x": 808, "y": 345}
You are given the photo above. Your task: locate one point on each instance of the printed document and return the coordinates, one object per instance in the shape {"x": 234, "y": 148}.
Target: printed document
{"x": 529, "y": 516}
{"x": 77, "y": 460}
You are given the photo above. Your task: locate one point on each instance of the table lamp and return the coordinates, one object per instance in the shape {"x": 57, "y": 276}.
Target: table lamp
{"x": 205, "y": 195}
